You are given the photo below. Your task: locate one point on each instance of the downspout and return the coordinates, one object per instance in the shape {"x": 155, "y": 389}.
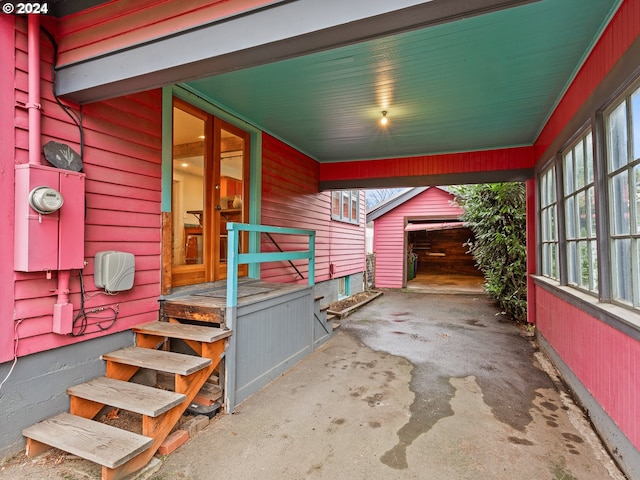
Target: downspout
{"x": 33, "y": 105}
{"x": 62, "y": 310}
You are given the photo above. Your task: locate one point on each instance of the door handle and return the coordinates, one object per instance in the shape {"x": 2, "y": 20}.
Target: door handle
{"x": 218, "y": 207}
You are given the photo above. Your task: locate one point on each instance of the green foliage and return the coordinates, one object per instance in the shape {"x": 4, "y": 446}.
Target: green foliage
{"x": 497, "y": 216}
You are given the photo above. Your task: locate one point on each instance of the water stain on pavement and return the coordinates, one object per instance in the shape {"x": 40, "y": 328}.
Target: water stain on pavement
{"x": 425, "y": 411}
{"x": 520, "y": 441}
{"x": 573, "y": 437}
{"x": 503, "y": 372}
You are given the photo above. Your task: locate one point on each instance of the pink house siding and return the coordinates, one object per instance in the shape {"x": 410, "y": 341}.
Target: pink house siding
{"x": 122, "y": 162}
{"x": 290, "y": 198}
{"x": 390, "y": 252}
{"x": 606, "y": 361}
{"x": 389, "y": 234}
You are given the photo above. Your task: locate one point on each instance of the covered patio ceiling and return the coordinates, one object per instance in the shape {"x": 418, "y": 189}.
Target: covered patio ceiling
{"x": 452, "y": 75}
{"x": 484, "y": 82}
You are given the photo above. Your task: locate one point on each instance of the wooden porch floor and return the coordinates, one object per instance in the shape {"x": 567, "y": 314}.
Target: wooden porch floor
{"x": 206, "y": 302}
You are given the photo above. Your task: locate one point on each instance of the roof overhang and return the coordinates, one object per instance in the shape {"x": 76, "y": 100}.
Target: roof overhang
{"x": 393, "y": 202}
{"x": 269, "y": 34}
{"x": 474, "y": 89}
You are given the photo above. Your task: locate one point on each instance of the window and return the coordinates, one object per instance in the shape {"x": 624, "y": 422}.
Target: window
{"x": 344, "y": 287}
{"x": 622, "y": 130}
{"x": 596, "y": 195}
{"x": 548, "y": 224}
{"x": 345, "y": 205}
{"x": 580, "y": 214}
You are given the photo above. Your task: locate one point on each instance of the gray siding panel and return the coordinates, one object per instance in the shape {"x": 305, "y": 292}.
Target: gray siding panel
{"x": 271, "y": 337}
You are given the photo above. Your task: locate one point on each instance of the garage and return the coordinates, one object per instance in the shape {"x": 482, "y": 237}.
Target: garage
{"x": 418, "y": 240}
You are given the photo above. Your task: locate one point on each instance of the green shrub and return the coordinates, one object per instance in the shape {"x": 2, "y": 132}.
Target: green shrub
{"x": 497, "y": 216}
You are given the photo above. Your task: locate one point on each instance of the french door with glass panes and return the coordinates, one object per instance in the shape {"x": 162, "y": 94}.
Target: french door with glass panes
{"x": 209, "y": 189}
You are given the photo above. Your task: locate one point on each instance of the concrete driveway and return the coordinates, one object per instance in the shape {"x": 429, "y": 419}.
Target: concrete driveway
{"x": 415, "y": 386}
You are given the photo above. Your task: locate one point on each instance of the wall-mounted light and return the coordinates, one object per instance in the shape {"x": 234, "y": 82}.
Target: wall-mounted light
{"x": 384, "y": 119}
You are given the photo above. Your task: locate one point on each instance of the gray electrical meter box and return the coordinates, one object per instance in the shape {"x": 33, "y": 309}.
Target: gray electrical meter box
{"x": 114, "y": 271}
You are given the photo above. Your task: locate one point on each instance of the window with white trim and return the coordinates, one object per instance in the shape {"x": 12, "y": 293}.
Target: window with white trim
{"x": 622, "y": 131}
{"x": 548, "y": 224}
{"x": 345, "y": 205}
{"x": 580, "y": 214}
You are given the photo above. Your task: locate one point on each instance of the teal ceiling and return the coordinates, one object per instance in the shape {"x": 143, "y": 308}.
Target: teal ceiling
{"x": 489, "y": 81}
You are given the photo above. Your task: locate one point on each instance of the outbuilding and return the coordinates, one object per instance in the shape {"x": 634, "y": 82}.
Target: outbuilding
{"x": 418, "y": 233}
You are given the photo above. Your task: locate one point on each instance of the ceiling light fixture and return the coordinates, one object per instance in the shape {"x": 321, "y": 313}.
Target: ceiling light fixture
{"x": 384, "y": 118}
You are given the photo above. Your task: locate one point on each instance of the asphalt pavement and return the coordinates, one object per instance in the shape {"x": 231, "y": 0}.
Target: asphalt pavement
{"x": 414, "y": 386}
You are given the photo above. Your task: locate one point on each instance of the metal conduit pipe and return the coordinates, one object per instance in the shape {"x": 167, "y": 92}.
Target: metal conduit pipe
{"x": 34, "y": 107}
{"x": 62, "y": 310}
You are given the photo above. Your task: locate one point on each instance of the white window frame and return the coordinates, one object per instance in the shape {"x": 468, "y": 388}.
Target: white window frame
{"x": 622, "y": 150}
{"x": 348, "y": 203}
{"x": 579, "y": 214}
{"x": 549, "y": 225}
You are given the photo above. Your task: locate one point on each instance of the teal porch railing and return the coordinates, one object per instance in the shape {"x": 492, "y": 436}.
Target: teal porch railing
{"x": 234, "y": 258}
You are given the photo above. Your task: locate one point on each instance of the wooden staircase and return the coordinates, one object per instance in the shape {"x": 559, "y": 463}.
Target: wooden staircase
{"x": 323, "y": 316}
{"x": 121, "y": 452}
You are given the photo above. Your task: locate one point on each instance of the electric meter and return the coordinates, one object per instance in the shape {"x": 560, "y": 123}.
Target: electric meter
{"x": 45, "y": 200}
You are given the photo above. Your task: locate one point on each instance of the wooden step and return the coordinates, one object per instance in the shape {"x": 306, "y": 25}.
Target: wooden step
{"x": 202, "y": 309}
{"x": 183, "y": 331}
{"x": 209, "y": 390}
{"x": 169, "y": 362}
{"x": 94, "y": 441}
{"x": 336, "y": 326}
{"x": 127, "y": 396}
{"x": 331, "y": 316}
{"x": 212, "y": 393}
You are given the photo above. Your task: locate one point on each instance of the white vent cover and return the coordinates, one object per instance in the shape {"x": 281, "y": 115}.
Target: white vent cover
{"x": 114, "y": 271}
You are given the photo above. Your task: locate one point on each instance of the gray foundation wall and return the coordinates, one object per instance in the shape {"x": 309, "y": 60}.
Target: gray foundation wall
{"x": 36, "y": 389}
{"x": 329, "y": 288}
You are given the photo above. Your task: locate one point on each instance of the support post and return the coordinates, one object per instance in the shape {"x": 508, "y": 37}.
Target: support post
{"x": 532, "y": 243}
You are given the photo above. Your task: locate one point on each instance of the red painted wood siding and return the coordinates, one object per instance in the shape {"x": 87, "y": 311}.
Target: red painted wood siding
{"x": 389, "y": 235}
{"x": 489, "y": 160}
{"x": 7, "y": 151}
{"x": 290, "y": 198}
{"x": 122, "y": 160}
{"x": 122, "y": 23}
{"x": 623, "y": 29}
{"x": 605, "y": 360}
